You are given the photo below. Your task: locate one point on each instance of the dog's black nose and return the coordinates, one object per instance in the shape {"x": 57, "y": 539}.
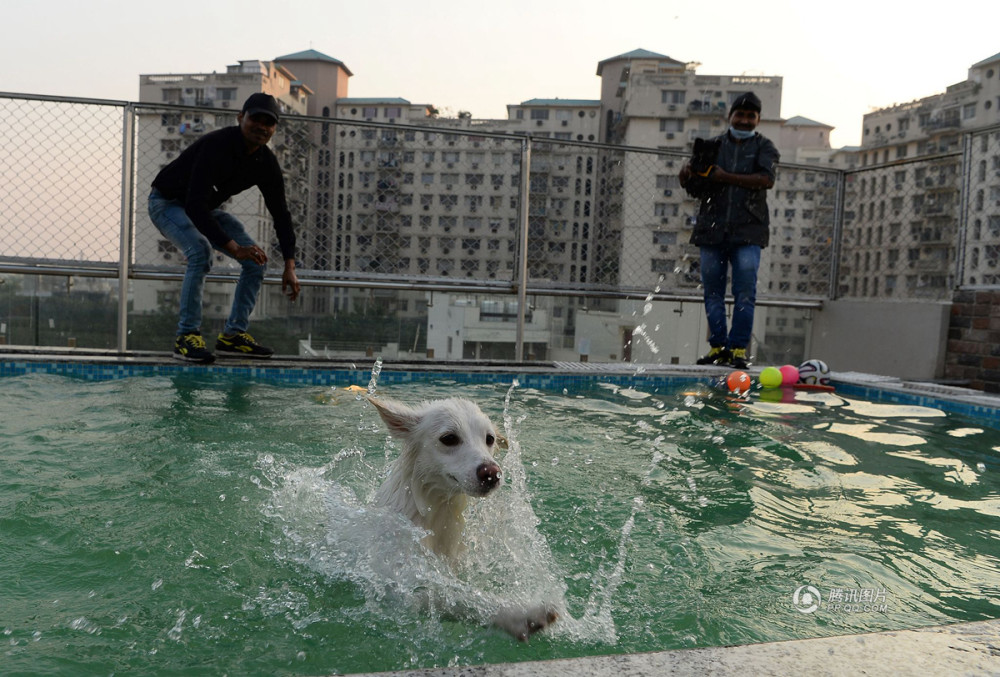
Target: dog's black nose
{"x": 488, "y": 474}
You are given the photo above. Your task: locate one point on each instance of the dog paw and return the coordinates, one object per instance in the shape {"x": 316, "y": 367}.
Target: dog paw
{"x": 523, "y": 622}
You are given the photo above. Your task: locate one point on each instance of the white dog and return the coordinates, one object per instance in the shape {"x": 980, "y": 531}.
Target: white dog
{"x": 447, "y": 455}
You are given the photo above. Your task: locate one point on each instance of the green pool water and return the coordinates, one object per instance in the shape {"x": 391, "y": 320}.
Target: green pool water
{"x": 212, "y": 525}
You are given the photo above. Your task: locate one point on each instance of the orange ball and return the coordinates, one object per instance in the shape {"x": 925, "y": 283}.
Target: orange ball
{"x": 738, "y": 381}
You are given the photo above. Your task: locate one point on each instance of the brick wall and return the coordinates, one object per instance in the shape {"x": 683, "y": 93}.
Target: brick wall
{"x": 973, "y": 353}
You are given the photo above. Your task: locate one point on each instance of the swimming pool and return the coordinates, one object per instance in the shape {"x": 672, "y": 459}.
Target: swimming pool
{"x": 198, "y": 521}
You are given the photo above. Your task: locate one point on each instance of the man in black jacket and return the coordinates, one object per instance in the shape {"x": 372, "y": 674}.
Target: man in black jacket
{"x": 184, "y": 205}
{"x": 732, "y": 225}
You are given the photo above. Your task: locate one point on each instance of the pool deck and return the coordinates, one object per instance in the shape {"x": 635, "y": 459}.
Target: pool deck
{"x": 100, "y": 364}
{"x": 961, "y": 649}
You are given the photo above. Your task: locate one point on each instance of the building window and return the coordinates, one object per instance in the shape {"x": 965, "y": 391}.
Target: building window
{"x": 539, "y": 114}
{"x": 369, "y": 112}
{"x": 394, "y": 112}
{"x": 672, "y": 96}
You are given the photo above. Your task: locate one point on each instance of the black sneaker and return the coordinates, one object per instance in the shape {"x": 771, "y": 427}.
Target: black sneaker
{"x": 241, "y": 345}
{"x": 717, "y": 355}
{"x": 738, "y": 359}
{"x": 191, "y": 347}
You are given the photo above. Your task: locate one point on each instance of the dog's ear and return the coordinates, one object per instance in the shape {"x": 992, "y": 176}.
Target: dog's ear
{"x": 502, "y": 441}
{"x": 399, "y": 418}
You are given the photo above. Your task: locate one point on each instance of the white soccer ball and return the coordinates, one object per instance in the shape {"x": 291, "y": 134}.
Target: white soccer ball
{"x": 814, "y": 372}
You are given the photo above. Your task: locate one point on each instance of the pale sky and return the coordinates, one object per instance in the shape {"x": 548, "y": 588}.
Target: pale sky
{"x": 838, "y": 60}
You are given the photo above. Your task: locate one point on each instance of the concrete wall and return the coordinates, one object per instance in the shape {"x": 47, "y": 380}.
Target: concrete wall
{"x": 905, "y": 339}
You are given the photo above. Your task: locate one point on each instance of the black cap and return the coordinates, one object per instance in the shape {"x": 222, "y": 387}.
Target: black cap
{"x": 261, "y": 103}
{"x": 747, "y": 101}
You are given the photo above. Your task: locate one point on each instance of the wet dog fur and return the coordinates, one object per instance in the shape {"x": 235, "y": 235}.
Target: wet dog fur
{"x": 446, "y": 457}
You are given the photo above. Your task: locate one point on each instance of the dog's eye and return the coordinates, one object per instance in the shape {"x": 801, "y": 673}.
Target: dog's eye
{"x": 450, "y": 439}
{"x": 490, "y": 440}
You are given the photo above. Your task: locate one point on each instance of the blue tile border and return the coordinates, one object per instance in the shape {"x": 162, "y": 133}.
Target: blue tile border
{"x": 987, "y": 413}
{"x": 337, "y": 377}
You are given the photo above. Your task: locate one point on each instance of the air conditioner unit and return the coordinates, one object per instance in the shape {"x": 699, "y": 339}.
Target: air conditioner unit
{"x": 672, "y": 107}
{"x": 225, "y": 104}
{"x": 670, "y": 135}
{"x": 668, "y": 193}
{"x": 565, "y": 123}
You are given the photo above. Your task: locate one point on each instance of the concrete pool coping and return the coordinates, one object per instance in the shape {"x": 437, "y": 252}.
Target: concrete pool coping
{"x": 960, "y": 649}
{"x": 95, "y": 363}
{"x": 963, "y": 648}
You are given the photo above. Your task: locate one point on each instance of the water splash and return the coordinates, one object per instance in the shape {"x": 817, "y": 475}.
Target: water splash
{"x": 373, "y": 381}
{"x": 647, "y": 308}
{"x": 330, "y": 526}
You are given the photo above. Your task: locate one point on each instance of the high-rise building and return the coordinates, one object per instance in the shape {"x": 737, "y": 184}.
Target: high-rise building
{"x": 906, "y": 211}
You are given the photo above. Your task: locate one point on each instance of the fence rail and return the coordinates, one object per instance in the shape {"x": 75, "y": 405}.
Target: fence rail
{"x": 451, "y": 208}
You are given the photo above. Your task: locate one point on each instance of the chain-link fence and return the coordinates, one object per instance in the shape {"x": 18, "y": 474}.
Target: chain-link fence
{"x": 388, "y": 215}
{"x": 980, "y": 261}
{"x": 62, "y": 179}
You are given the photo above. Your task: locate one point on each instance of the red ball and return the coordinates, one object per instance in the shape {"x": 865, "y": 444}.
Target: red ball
{"x": 738, "y": 381}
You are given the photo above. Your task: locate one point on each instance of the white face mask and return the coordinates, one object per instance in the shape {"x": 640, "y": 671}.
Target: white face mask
{"x": 741, "y": 134}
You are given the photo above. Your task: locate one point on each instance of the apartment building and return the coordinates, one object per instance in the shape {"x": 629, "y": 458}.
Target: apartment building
{"x": 390, "y": 187}
{"x": 906, "y": 210}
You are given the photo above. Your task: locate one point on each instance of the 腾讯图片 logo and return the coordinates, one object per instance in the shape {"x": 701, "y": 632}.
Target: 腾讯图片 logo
{"x": 806, "y": 599}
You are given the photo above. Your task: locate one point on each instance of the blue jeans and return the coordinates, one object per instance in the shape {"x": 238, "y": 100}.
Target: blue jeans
{"x": 715, "y": 262}
{"x": 172, "y": 221}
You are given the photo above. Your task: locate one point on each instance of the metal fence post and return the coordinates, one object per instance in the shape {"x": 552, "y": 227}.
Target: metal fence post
{"x": 522, "y": 248}
{"x": 964, "y": 202}
{"x": 127, "y": 222}
{"x": 836, "y": 246}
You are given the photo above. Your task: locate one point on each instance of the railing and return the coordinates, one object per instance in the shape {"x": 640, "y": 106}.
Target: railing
{"x": 392, "y": 219}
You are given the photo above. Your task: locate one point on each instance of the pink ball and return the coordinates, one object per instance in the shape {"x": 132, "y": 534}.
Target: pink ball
{"x": 789, "y": 375}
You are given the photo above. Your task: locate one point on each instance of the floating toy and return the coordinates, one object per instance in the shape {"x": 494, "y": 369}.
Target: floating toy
{"x": 789, "y": 375}
{"x": 738, "y": 381}
{"x": 814, "y": 372}
{"x": 770, "y": 377}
